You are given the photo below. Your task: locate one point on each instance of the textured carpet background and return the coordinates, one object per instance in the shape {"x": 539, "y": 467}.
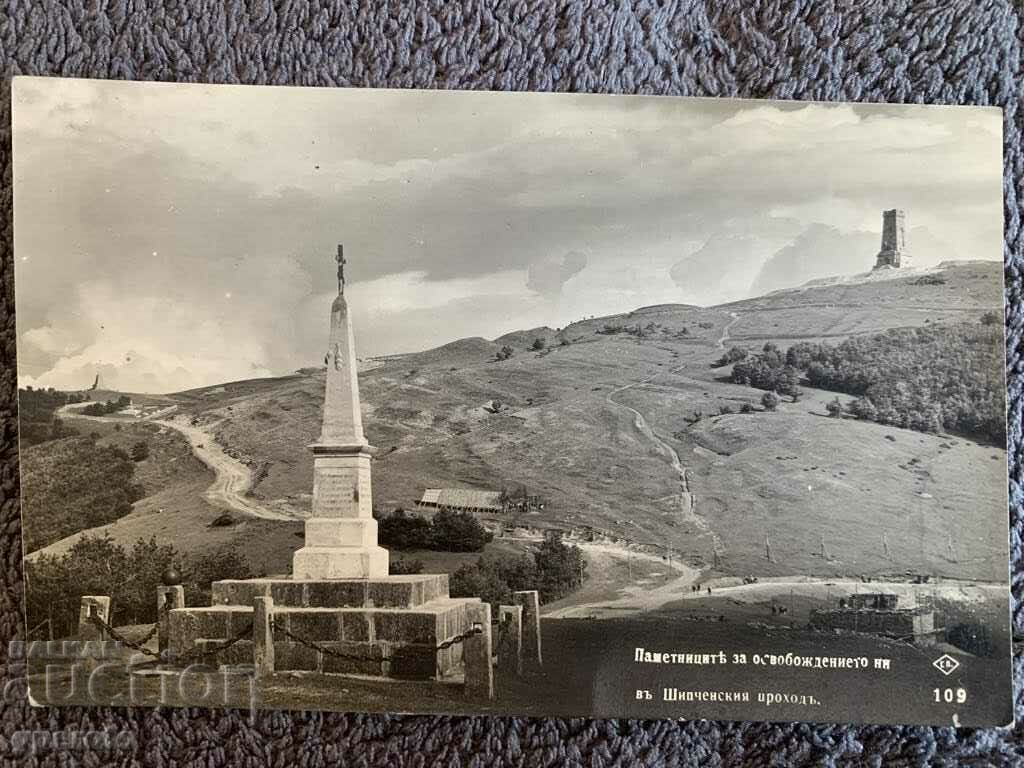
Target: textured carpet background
{"x": 935, "y": 51}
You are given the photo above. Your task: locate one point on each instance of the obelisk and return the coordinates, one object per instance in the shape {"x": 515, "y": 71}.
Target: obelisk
{"x": 341, "y": 534}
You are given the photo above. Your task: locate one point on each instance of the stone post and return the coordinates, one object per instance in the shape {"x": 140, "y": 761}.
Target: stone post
{"x": 530, "y": 601}
{"x": 263, "y": 635}
{"x": 93, "y": 605}
{"x": 167, "y": 599}
{"x": 476, "y": 653}
{"x": 510, "y": 638}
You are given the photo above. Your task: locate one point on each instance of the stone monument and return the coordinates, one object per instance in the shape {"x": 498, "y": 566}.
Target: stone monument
{"x": 893, "y": 253}
{"x": 341, "y": 535}
{"x": 339, "y": 611}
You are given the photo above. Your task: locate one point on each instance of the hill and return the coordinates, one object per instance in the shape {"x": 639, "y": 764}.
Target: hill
{"x": 600, "y": 424}
{"x": 595, "y": 425}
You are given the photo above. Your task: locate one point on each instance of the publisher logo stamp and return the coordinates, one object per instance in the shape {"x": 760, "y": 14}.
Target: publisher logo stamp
{"x": 946, "y": 664}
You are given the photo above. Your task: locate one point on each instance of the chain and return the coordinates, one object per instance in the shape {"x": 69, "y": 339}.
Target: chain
{"x": 194, "y": 656}
{"x": 314, "y": 646}
{"x": 475, "y": 630}
{"x": 189, "y": 658}
{"x": 140, "y": 647}
{"x": 186, "y": 659}
{"x": 137, "y": 645}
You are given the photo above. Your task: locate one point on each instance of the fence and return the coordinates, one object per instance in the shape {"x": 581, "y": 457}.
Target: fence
{"x": 518, "y": 645}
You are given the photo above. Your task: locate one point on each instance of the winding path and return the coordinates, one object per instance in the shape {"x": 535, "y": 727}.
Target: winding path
{"x": 232, "y": 480}
{"x": 687, "y": 500}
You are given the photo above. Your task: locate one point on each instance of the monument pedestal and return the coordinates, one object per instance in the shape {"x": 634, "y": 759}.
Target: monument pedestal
{"x": 384, "y": 627}
{"x": 341, "y": 535}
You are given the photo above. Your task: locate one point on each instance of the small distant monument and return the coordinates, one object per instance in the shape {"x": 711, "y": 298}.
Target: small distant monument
{"x": 893, "y": 253}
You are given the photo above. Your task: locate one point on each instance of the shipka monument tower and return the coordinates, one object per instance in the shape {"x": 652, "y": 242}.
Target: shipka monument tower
{"x": 893, "y": 252}
{"x": 341, "y": 534}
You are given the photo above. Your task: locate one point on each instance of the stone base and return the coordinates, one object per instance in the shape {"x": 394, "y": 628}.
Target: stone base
{"x": 340, "y": 563}
{"x": 386, "y": 627}
{"x": 406, "y": 591}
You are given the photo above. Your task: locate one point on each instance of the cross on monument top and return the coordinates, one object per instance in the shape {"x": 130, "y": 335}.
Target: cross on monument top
{"x": 340, "y": 258}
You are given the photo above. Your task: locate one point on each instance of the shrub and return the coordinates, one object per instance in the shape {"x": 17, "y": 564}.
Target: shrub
{"x": 555, "y": 570}
{"x": 482, "y": 579}
{"x": 538, "y": 345}
{"x": 71, "y": 485}
{"x": 37, "y": 421}
{"x": 447, "y": 532}
{"x": 834, "y": 408}
{"x": 746, "y": 408}
{"x": 734, "y": 355}
{"x": 401, "y": 567}
{"x": 402, "y": 531}
{"x": 770, "y": 401}
{"x": 505, "y": 353}
{"x": 140, "y": 451}
{"x": 97, "y": 565}
{"x": 458, "y": 532}
{"x": 560, "y": 568}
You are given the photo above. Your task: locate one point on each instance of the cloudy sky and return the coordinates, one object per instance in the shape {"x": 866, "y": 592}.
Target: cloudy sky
{"x": 173, "y": 236}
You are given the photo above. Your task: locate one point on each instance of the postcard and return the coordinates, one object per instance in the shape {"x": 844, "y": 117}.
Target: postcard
{"x": 533, "y": 404}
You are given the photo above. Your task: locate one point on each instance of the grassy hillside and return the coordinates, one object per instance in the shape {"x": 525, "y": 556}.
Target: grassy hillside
{"x": 597, "y": 421}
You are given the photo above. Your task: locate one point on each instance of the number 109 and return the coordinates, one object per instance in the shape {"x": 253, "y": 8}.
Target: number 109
{"x": 949, "y": 695}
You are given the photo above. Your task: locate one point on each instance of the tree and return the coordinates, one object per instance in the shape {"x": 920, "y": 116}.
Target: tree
{"x": 538, "y": 345}
{"x": 401, "y": 531}
{"x": 140, "y": 451}
{"x": 458, "y": 532}
{"x": 734, "y": 355}
{"x": 770, "y": 401}
{"x": 505, "y": 353}
{"x": 482, "y": 579}
{"x": 834, "y": 408}
{"x": 560, "y": 568}
{"x": 74, "y": 484}
{"x": 788, "y": 382}
{"x": 97, "y": 565}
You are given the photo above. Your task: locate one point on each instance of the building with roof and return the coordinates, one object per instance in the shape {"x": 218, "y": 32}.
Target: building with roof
{"x": 463, "y": 500}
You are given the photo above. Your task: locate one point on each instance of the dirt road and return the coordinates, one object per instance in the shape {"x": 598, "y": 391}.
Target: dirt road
{"x": 832, "y": 589}
{"x": 686, "y": 500}
{"x": 608, "y": 592}
{"x": 233, "y": 478}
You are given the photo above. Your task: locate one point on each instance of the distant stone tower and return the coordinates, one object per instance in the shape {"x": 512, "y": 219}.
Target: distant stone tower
{"x": 893, "y": 253}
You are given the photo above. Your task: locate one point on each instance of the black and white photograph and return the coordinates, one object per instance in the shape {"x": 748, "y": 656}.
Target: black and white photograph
{"x": 511, "y": 403}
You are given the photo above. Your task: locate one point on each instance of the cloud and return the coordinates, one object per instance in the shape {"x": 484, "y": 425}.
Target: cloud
{"x": 547, "y": 276}
{"x": 221, "y": 207}
{"x": 824, "y": 251}
{"x": 725, "y": 265}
